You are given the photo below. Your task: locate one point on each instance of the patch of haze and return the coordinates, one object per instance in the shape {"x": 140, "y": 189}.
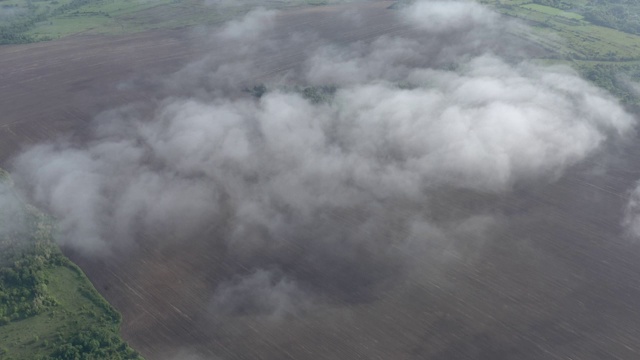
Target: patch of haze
{"x": 268, "y": 293}
{"x": 447, "y": 16}
{"x": 429, "y": 244}
{"x": 631, "y": 85}
{"x": 238, "y": 48}
{"x": 8, "y": 13}
{"x": 188, "y": 354}
{"x": 631, "y": 221}
{"x": 448, "y": 34}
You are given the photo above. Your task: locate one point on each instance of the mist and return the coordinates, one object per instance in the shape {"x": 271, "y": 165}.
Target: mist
{"x": 319, "y": 202}
{"x": 8, "y": 12}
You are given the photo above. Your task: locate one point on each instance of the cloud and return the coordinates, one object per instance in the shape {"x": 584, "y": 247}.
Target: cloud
{"x": 324, "y": 199}
{"x": 447, "y": 16}
{"x": 249, "y": 28}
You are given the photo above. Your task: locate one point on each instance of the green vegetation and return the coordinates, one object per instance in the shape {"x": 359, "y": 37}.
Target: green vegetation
{"x": 24, "y": 21}
{"x": 315, "y": 94}
{"x": 617, "y": 78}
{"x": 600, "y": 40}
{"x": 552, "y": 11}
{"x": 48, "y": 308}
{"x": 621, "y": 14}
{"x": 569, "y": 34}
{"x": 318, "y": 94}
{"x": 617, "y": 14}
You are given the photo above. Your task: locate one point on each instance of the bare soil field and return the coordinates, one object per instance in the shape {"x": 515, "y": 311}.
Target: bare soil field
{"x": 559, "y": 280}
{"x": 57, "y": 87}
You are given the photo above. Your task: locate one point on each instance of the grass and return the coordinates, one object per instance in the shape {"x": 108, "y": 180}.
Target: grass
{"x": 552, "y": 11}
{"x": 105, "y": 17}
{"x": 39, "y": 335}
{"x": 63, "y": 26}
{"x": 609, "y": 58}
{"x": 59, "y": 311}
{"x": 568, "y": 36}
{"x": 604, "y": 55}
{"x": 62, "y": 18}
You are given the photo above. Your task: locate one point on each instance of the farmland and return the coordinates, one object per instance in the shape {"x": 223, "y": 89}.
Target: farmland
{"x": 23, "y": 21}
{"x": 574, "y": 36}
{"x": 58, "y": 87}
{"x": 558, "y": 280}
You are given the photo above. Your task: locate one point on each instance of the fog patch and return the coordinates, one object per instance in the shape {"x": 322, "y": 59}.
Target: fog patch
{"x": 631, "y": 221}
{"x": 263, "y": 293}
{"x": 8, "y": 13}
{"x": 445, "y": 16}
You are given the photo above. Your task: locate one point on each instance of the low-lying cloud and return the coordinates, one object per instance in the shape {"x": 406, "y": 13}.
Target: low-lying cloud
{"x": 262, "y": 292}
{"x": 324, "y": 199}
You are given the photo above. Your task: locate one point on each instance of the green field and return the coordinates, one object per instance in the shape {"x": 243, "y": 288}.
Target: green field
{"x": 585, "y": 36}
{"x": 552, "y": 11}
{"x": 569, "y": 35}
{"x": 78, "y": 309}
{"x": 53, "y": 19}
{"x": 48, "y": 308}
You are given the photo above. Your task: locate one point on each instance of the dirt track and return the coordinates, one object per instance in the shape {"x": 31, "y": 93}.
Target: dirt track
{"x": 572, "y": 292}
